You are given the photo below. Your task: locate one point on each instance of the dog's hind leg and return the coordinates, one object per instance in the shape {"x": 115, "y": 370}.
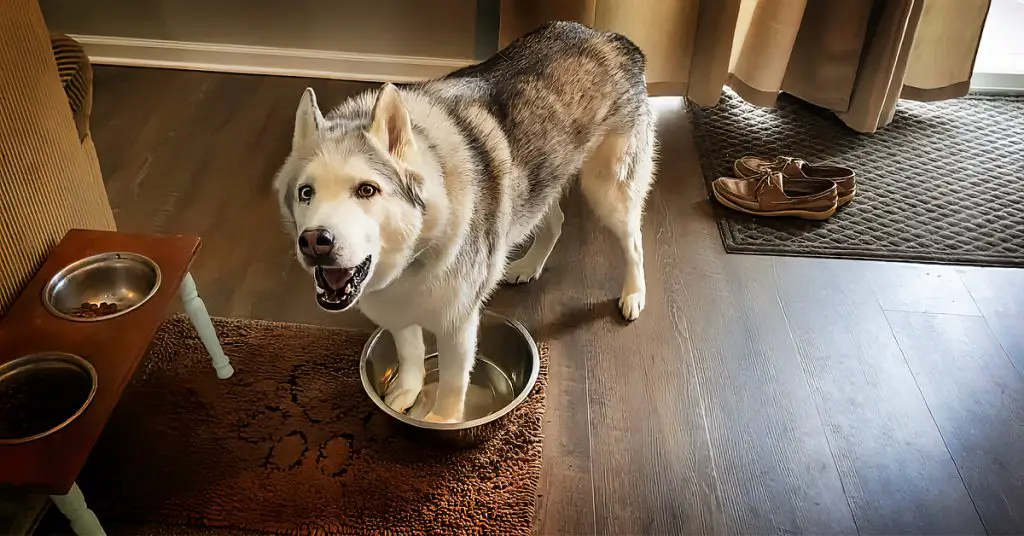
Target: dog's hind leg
{"x": 532, "y": 263}
{"x": 615, "y": 179}
{"x": 402, "y": 393}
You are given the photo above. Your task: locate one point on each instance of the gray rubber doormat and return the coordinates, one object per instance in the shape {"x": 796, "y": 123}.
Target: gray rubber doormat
{"x": 944, "y": 182}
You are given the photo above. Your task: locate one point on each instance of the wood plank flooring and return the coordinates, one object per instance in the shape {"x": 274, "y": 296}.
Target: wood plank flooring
{"x": 755, "y": 395}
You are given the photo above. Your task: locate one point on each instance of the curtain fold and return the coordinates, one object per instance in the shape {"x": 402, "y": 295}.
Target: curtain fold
{"x": 854, "y": 57}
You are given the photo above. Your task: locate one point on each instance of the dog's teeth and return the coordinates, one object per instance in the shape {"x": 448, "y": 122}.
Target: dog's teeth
{"x": 320, "y": 290}
{"x": 348, "y": 288}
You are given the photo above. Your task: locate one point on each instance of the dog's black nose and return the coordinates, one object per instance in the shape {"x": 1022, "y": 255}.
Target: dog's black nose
{"x": 316, "y": 242}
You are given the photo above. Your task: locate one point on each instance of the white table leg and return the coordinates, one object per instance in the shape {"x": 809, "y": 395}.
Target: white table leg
{"x": 196, "y": 311}
{"x": 83, "y": 520}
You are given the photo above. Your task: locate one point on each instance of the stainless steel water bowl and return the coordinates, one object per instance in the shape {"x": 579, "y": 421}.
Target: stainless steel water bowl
{"x": 505, "y": 372}
{"x": 124, "y": 279}
{"x": 42, "y": 393}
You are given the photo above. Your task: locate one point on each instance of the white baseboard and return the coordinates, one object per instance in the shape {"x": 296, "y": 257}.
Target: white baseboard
{"x": 103, "y": 50}
{"x": 998, "y": 83}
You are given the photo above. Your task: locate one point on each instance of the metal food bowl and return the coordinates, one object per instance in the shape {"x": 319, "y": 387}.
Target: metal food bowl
{"x": 42, "y": 393}
{"x": 124, "y": 279}
{"x": 507, "y": 364}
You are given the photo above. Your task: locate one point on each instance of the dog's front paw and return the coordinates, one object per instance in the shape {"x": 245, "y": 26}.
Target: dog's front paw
{"x": 632, "y": 304}
{"x": 401, "y": 399}
{"x": 435, "y": 418}
{"x": 446, "y": 409}
{"x": 403, "y": 393}
{"x": 522, "y": 271}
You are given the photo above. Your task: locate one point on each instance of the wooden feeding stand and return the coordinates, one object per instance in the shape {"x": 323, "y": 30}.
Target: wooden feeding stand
{"x": 113, "y": 346}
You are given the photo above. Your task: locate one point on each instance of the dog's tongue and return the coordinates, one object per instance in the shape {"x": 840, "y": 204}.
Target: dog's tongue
{"x": 337, "y": 277}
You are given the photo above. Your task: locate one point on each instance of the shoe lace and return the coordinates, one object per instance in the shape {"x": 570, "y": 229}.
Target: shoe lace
{"x": 764, "y": 180}
{"x": 780, "y": 163}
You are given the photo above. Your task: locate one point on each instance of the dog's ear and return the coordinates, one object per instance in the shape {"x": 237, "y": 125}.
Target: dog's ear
{"x": 391, "y": 125}
{"x": 308, "y": 121}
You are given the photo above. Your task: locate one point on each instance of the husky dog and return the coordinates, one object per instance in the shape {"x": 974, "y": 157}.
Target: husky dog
{"x": 407, "y": 201}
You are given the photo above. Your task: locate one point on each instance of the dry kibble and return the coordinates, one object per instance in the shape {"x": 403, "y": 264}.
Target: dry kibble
{"x": 93, "y": 310}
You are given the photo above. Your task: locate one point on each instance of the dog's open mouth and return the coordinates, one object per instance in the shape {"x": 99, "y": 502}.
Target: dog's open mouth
{"x": 338, "y": 288}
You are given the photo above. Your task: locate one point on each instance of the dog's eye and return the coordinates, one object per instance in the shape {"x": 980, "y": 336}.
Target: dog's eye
{"x": 367, "y": 190}
{"x": 305, "y": 193}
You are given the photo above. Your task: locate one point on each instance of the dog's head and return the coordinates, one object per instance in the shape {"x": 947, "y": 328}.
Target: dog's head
{"x": 350, "y": 194}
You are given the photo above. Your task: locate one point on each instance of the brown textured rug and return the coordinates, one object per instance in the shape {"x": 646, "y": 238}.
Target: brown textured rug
{"x": 944, "y": 182}
{"x": 292, "y": 444}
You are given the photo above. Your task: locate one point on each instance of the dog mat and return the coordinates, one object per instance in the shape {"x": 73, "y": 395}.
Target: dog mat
{"x": 291, "y": 444}
{"x": 944, "y": 182}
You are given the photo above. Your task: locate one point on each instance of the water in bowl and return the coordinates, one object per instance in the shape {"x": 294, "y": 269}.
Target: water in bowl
{"x": 489, "y": 390}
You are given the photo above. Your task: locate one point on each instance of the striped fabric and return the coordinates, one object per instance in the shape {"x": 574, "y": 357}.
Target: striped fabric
{"x": 49, "y": 176}
{"x": 75, "y": 73}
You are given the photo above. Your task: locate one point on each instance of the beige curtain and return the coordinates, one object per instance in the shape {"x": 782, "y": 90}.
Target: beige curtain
{"x": 854, "y": 57}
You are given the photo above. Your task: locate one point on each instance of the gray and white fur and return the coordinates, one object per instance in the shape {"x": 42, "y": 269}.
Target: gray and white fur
{"x": 406, "y": 201}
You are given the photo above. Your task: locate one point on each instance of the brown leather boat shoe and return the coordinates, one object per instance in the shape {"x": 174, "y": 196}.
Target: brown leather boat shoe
{"x": 795, "y": 168}
{"x": 771, "y": 194}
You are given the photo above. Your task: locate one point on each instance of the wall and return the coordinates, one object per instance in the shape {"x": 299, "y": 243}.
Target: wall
{"x": 434, "y": 28}
{"x": 375, "y": 40}
{"x": 999, "y": 67}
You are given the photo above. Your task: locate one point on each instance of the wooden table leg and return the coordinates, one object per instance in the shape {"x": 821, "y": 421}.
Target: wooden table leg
{"x": 196, "y": 310}
{"x": 83, "y": 520}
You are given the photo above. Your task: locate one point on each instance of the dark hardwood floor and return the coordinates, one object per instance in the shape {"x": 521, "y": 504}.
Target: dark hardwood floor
{"x": 755, "y": 395}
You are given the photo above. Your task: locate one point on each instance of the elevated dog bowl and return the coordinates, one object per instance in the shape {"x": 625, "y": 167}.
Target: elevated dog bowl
{"x": 42, "y": 393}
{"x": 122, "y": 280}
{"x": 505, "y": 372}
